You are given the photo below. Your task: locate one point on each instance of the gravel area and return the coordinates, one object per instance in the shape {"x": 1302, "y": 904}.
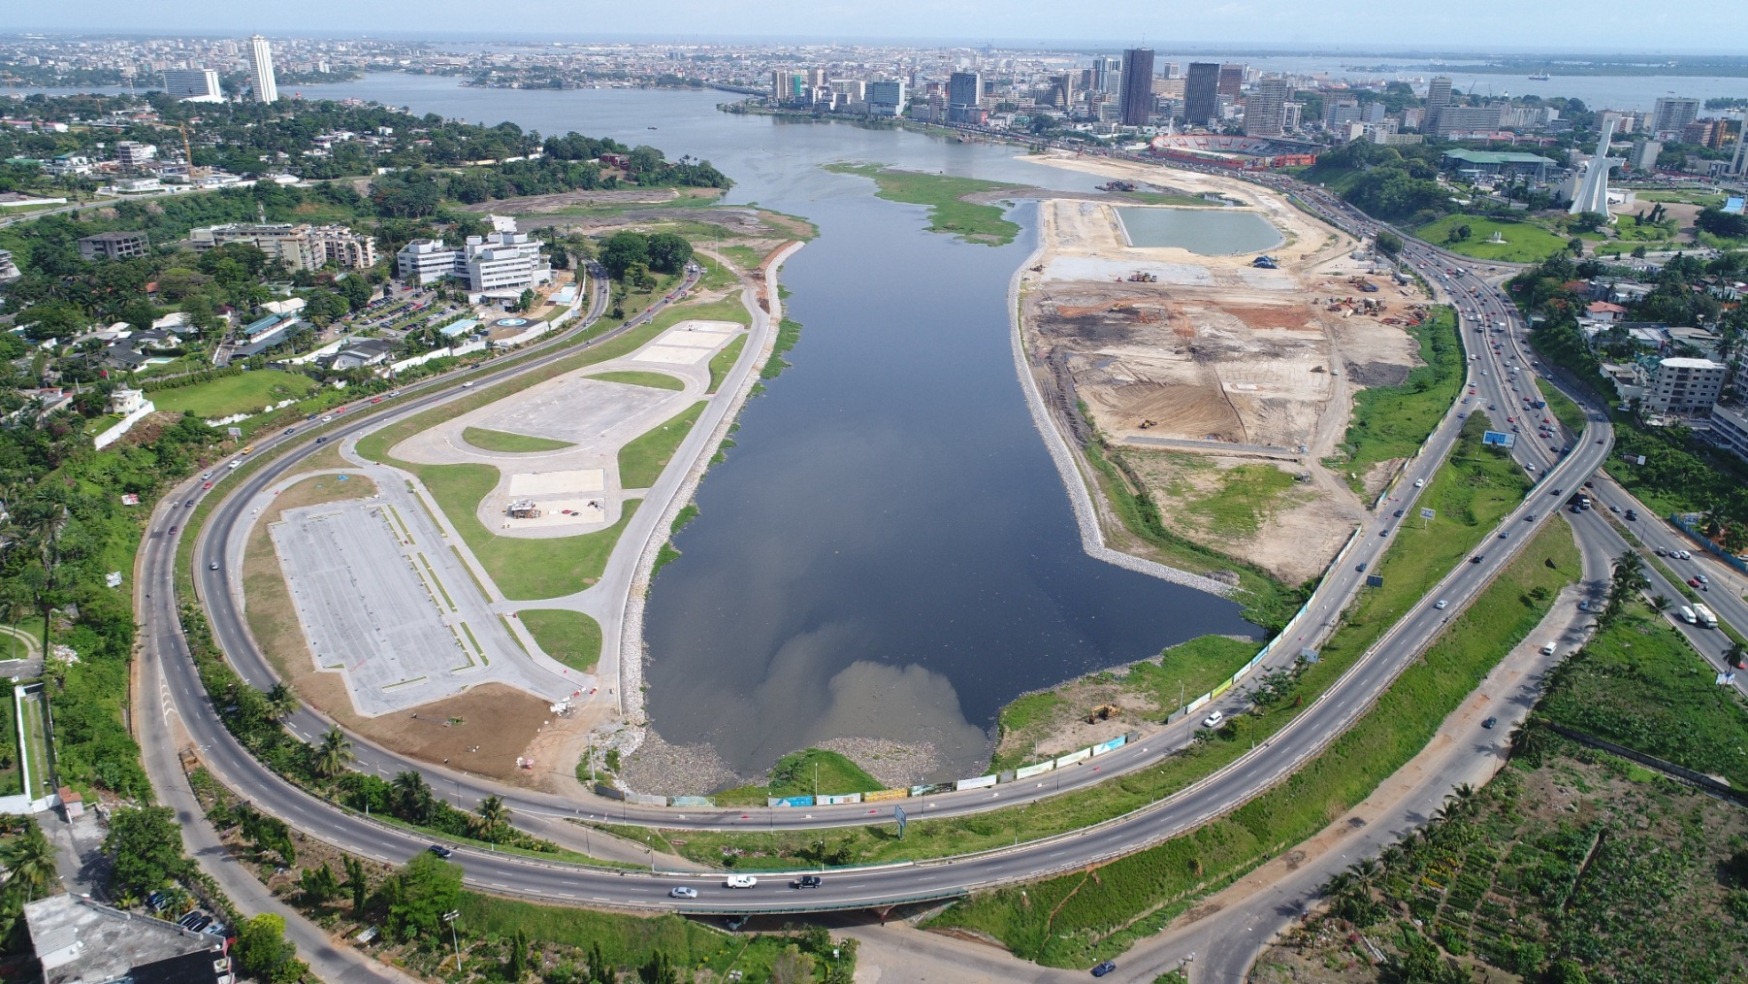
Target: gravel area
{"x": 896, "y": 764}
{"x": 662, "y": 769}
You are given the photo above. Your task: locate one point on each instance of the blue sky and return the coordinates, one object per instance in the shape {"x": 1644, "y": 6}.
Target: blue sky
{"x": 1483, "y": 25}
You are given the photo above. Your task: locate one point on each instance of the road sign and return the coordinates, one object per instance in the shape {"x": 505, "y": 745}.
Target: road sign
{"x": 1374, "y": 580}
{"x": 1498, "y": 439}
{"x": 898, "y": 814}
{"x": 1429, "y": 514}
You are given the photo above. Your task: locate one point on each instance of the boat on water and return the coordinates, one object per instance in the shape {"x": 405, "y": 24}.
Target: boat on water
{"x": 1540, "y": 77}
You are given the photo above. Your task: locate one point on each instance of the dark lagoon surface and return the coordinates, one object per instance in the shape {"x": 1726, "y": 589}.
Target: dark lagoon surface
{"x": 888, "y": 550}
{"x": 1208, "y": 231}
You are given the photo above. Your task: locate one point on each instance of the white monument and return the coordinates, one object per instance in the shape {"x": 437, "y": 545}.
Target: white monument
{"x": 1591, "y": 193}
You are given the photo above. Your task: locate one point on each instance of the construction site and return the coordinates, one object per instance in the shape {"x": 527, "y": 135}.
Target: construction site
{"x": 1220, "y": 383}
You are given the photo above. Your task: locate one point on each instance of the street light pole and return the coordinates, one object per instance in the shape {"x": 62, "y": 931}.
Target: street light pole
{"x": 450, "y": 917}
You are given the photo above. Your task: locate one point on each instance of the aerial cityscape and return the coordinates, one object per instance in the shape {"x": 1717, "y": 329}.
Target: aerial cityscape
{"x": 508, "y": 504}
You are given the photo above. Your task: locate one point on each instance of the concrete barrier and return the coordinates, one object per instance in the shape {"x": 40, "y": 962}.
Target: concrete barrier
{"x": 929, "y": 789}
{"x": 776, "y": 801}
{"x": 645, "y": 799}
{"x": 1110, "y": 746}
{"x": 981, "y": 782}
{"x": 697, "y": 802}
{"x": 843, "y": 800}
{"x": 1028, "y": 771}
{"x": 882, "y": 795}
{"x": 1073, "y": 757}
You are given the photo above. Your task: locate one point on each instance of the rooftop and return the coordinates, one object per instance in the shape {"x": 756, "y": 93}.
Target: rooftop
{"x": 78, "y": 940}
{"x": 1495, "y": 157}
{"x": 1684, "y": 363}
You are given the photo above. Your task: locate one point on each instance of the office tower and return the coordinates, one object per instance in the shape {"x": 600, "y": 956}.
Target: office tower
{"x": 193, "y": 85}
{"x": 1671, "y": 115}
{"x": 1201, "y": 93}
{"x": 1739, "y": 160}
{"x": 886, "y": 98}
{"x": 1137, "y": 96}
{"x": 1105, "y": 72}
{"x": 1062, "y": 89}
{"x": 1265, "y": 114}
{"x": 261, "y": 65}
{"x": 1231, "y": 80}
{"x": 1438, "y": 96}
{"x": 963, "y": 91}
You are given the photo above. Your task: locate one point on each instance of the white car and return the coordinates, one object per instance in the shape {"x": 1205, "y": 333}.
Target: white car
{"x": 1441, "y": 604}
{"x": 741, "y": 881}
{"x": 1420, "y": 483}
{"x": 1213, "y": 720}
{"x": 683, "y": 892}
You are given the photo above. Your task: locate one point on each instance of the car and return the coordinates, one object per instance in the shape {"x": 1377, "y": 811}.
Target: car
{"x": 1529, "y": 517}
{"x": 1701, "y": 578}
{"x": 1658, "y": 551}
{"x": 376, "y": 399}
{"x": 1556, "y": 492}
{"x": 467, "y": 385}
{"x": 740, "y": 881}
{"x": 682, "y": 892}
{"x": 206, "y": 475}
{"x": 1213, "y": 720}
{"x": 1693, "y": 582}
{"x": 212, "y": 566}
{"x": 188, "y": 504}
{"x": 1477, "y": 558}
{"x": 1420, "y": 483}
{"x": 205, "y": 486}
{"x": 1384, "y": 532}
{"x": 1441, "y": 604}
{"x": 321, "y": 440}
{"x": 200, "y": 924}
{"x": 807, "y": 881}
{"x": 1361, "y": 566}
{"x": 1489, "y": 723}
{"x": 440, "y": 850}
{"x": 174, "y": 528}
{"x": 1104, "y": 968}
{"x": 290, "y": 431}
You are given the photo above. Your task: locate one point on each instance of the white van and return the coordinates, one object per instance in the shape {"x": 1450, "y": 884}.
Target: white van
{"x": 1548, "y": 649}
{"x": 1687, "y": 615}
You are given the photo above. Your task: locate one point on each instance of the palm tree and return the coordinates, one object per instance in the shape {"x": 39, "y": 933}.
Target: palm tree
{"x": 1661, "y": 603}
{"x": 334, "y": 753}
{"x": 493, "y": 816}
{"x": 281, "y": 702}
{"x": 30, "y": 859}
{"x": 1462, "y": 798}
{"x": 1735, "y": 654}
{"x": 412, "y": 797}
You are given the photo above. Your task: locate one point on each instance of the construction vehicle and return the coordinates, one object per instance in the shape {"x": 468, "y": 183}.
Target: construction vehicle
{"x": 1142, "y": 277}
{"x": 1265, "y": 263}
{"x": 1103, "y": 712}
{"x": 188, "y": 154}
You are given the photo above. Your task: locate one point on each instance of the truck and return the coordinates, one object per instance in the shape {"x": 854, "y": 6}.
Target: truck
{"x": 1706, "y": 616}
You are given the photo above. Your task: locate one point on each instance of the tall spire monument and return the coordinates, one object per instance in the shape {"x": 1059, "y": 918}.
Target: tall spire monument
{"x": 1591, "y": 194}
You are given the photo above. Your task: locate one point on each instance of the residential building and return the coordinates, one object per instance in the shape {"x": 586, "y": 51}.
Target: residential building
{"x": 1266, "y": 113}
{"x": 964, "y": 89}
{"x": 887, "y": 98}
{"x": 77, "y": 939}
{"x": 133, "y": 155}
{"x": 1231, "y": 81}
{"x": 1438, "y": 98}
{"x": 8, "y": 267}
{"x": 1683, "y": 387}
{"x": 114, "y": 246}
{"x": 1644, "y": 155}
{"x": 1466, "y": 119}
{"x": 362, "y": 352}
{"x": 1730, "y": 430}
{"x": 1670, "y": 115}
{"x": 1201, "y": 93}
{"x": 1135, "y": 105}
{"x": 301, "y": 247}
{"x": 425, "y": 261}
{"x": 788, "y": 87}
{"x": 261, "y": 70}
{"x": 1739, "y": 161}
{"x": 199, "y": 85}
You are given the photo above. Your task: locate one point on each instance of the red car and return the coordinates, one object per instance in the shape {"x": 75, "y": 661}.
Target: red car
{"x": 208, "y": 485}
{"x": 377, "y": 399}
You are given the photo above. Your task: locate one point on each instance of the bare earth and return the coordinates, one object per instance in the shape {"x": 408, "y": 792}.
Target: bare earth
{"x": 1208, "y": 355}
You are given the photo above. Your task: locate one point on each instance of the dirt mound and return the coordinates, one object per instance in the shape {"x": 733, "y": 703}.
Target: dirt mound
{"x": 1377, "y": 373}
{"x": 1199, "y": 411}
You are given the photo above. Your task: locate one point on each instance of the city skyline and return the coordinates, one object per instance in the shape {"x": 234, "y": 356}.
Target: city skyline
{"x": 1345, "y": 25}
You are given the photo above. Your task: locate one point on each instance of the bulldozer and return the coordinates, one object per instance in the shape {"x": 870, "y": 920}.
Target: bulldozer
{"x": 1103, "y": 712}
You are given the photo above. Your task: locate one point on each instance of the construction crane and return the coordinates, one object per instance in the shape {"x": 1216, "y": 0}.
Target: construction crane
{"x": 188, "y": 154}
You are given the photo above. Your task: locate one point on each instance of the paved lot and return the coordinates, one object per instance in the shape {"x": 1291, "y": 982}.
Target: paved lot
{"x": 576, "y": 410}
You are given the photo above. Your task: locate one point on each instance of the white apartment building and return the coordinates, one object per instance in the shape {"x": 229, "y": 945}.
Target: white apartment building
{"x": 261, "y": 70}
{"x": 505, "y": 262}
{"x": 1730, "y": 431}
{"x": 302, "y": 247}
{"x": 200, "y": 85}
{"x": 425, "y": 261}
{"x": 1683, "y": 387}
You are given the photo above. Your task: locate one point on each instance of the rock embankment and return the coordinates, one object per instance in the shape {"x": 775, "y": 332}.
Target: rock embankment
{"x": 896, "y": 764}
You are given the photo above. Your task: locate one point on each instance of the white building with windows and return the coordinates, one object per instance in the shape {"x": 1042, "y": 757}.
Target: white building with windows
{"x": 1683, "y": 387}
{"x": 503, "y": 264}
{"x": 261, "y": 70}
{"x": 197, "y": 85}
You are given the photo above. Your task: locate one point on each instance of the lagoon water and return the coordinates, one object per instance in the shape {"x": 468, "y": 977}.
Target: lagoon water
{"x": 1206, "y": 231}
{"x": 888, "y": 550}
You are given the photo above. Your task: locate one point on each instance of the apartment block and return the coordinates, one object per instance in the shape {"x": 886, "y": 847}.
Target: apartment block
{"x": 1683, "y": 387}
{"x": 113, "y": 246}
{"x": 301, "y": 247}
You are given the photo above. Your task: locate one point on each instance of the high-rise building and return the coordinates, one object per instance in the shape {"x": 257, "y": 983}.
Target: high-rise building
{"x": 193, "y": 85}
{"x": 886, "y": 98}
{"x": 261, "y": 66}
{"x": 1136, "y": 106}
{"x": 1062, "y": 89}
{"x": 1265, "y": 113}
{"x": 964, "y": 89}
{"x": 1739, "y": 161}
{"x": 1202, "y": 93}
{"x": 1438, "y": 97}
{"x": 1231, "y": 80}
{"x": 1672, "y": 115}
{"x": 1105, "y": 73}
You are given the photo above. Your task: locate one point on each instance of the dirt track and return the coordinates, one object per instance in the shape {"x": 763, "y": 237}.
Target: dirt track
{"x": 1211, "y": 354}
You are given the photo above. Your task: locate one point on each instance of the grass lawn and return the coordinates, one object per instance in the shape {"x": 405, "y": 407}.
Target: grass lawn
{"x": 1524, "y": 242}
{"x": 1569, "y": 414}
{"x": 656, "y": 380}
{"x": 1689, "y": 197}
{"x": 745, "y": 257}
{"x": 491, "y": 440}
{"x": 788, "y": 333}
{"x": 641, "y": 461}
{"x": 944, "y": 195}
{"x": 572, "y": 638}
{"x": 11, "y": 776}
{"x": 1641, "y": 685}
{"x": 37, "y": 748}
{"x": 248, "y": 392}
{"x": 1080, "y": 918}
{"x": 814, "y": 771}
{"x": 1391, "y": 422}
{"x": 1245, "y": 498}
{"x": 1190, "y": 669}
{"x": 723, "y": 361}
{"x": 523, "y": 569}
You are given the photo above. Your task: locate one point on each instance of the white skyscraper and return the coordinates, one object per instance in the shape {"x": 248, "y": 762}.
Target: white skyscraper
{"x": 261, "y": 60}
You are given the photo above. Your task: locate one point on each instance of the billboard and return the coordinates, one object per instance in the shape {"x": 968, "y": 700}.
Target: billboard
{"x": 879, "y": 795}
{"x": 1110, "y": 746}
{"x": 981, "y": 782}
{"x": 1498, "y": 439}
{"x": 1073, "y": 757}
{"x": 843, "y": 800}
{"x": 1028, "y": 771}
{"x": 789, "y": 801}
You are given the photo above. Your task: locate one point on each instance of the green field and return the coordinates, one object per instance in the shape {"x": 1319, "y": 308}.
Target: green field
{"x": 1691, "y": 197}
{"x": 654, "y": 380}
{"x": 641, "y": 461}
{"x": 944, "y": 195}
{"x": 523, "y": 569}
{"x": 1083, "y": 917}
{"x": 813, "y": 772}
{"x": 1392, "y": 422}
{"x": 572, "y": 638}
{"x": 248, "y": 392}
{"x": 1246, "y": 496}
{"x": 491, "y": 440}
{"x": 1641, "y": 685}
{"x": 1568, "y": 413}
{"x": 723, "y": 361}
{"x": 1524, "y": 242}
